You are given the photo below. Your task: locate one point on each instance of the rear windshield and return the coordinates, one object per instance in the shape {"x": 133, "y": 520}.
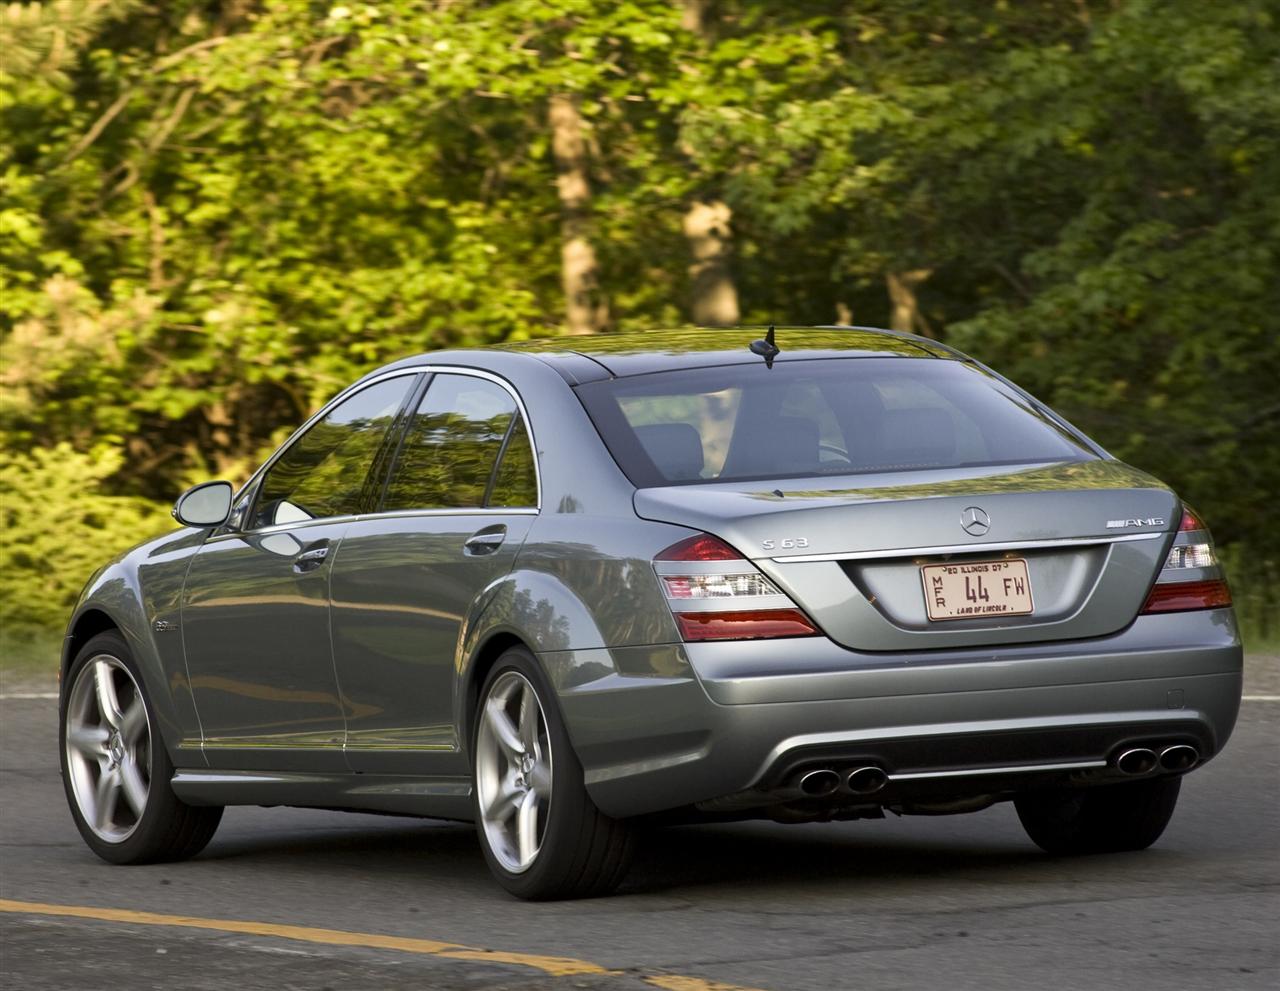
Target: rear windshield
{"x": 802, "y": 419}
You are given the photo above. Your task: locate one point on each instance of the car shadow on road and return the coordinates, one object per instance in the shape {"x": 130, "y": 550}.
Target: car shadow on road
{"x": 762, "y": 854}
{"x": 668, "y": 860}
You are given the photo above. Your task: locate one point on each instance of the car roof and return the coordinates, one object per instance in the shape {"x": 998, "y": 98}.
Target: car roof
{"x": 592, "y": 358}
{"x": 640, "y": 352}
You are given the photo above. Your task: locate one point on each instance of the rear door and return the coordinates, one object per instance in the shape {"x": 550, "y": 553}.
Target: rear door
{"x": 255, "y": 612}
{"x": 460, "y": 496}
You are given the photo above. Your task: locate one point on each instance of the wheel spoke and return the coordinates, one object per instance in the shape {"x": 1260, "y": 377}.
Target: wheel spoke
{"x": 105, "y": 797}
{"x": 540, "y": 780}
{"x": 528, "y": 720}
{"x": 134, "y": 788}
{"x": 91, "y": 741}
{"x": 502, "y": 806}
{"x": 527, "y": 828}
{"x": 500, "y": 723}
{"x": 133, "y": 722}
{"x": 105, "y": 687}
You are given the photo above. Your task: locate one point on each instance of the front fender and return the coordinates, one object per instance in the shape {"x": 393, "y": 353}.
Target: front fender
{"x": 140, "y": 594}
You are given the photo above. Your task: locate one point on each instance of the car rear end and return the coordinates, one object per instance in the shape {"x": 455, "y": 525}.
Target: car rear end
{"x": 906, "y": 585}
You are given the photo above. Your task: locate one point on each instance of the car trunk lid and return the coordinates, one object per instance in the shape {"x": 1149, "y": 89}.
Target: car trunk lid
{"x": 850, "y": 549}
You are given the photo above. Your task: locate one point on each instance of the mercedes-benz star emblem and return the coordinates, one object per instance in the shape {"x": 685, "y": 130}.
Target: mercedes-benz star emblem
{"x": 975, "y": 521}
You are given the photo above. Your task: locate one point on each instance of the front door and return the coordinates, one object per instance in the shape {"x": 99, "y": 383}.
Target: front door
{"x": 255, "y": 612}
{"x": 461, "y": 495}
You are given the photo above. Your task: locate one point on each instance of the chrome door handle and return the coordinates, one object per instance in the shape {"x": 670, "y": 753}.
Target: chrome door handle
{"x": 485, "y": 541}
{"x": 311, "y": 558}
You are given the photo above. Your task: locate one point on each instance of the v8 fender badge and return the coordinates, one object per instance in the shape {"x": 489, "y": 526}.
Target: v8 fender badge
{"x": 164, "y": 626}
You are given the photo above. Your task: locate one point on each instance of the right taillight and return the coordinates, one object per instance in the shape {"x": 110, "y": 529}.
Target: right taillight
{"x": 717, "y": 594}
{"x": 1191, "y": 577}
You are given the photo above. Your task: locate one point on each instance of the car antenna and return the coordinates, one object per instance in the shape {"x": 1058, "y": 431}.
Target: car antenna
{"x": 765, "y": 348}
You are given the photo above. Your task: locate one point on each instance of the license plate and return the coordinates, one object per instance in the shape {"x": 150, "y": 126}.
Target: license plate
{"x": 976, "y": 589}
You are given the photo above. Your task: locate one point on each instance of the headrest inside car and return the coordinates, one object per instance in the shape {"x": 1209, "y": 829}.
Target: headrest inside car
{"x": 676, "y": 448}
{"x": 917, "y": 436}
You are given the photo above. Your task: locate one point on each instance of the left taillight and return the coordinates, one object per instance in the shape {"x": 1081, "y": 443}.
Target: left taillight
{"x": 717, "y": 594}
{"x": 1191, "y": 577}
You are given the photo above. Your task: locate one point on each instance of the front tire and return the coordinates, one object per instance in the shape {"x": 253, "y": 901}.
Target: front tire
{"x": 115, "y": 769}
{"x": 1105, "y": 819}
{"x": 541, "y": 834}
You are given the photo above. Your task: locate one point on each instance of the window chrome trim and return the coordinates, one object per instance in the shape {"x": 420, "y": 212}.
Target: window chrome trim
{"x": 290, "y": 527}
{"x": 1006, "y": 545}
{"x": 447, "y": 511}
{"x": 360, "y": 386}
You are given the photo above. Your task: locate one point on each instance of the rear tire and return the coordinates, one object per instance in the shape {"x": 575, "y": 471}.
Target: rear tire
{"x": 1105, "y": 819}
{"x": 571, "y": 849}
{"x": 115, "y": 770}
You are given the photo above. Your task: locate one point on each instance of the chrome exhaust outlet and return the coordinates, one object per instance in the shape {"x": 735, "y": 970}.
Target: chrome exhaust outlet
{"x": 1140, "y": 760}
{"x": 866, "y": 780}
{"x": 819, "y": 783}
{"x": 1179, "y": 757}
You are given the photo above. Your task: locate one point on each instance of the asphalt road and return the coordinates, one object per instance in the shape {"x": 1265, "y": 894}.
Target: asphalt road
{"x": 958, "y": 902}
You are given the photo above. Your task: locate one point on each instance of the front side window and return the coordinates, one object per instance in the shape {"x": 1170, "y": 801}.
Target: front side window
{"x": 819, "y": 417}
{"x": 465, "y": 448}
{"x": 323, "y": 472}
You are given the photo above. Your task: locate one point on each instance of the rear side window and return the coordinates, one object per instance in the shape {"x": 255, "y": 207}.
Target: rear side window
{"x": 820, "y": 417}
{"x": 461, "y": 450}
{"x": 323, "y": 472}
{"x": 515, "y": 483}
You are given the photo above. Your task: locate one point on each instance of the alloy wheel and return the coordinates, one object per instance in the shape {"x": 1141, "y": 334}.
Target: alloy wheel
{"x": 108, "y": 745}
{"x": 513, "y": 771}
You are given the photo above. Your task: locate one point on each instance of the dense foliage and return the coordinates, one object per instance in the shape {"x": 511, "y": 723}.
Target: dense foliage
{"x": 214, "y": 213}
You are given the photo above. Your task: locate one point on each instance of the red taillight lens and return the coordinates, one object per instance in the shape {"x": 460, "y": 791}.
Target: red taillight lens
{"x": 1190, "y": 521}
{"x": 701, "y": 547}
{"x": 702, "y": 572}
{"x": 754, "y": 624}
{"x": 1191, "y": 557}
{"x": 1185, "y": 596}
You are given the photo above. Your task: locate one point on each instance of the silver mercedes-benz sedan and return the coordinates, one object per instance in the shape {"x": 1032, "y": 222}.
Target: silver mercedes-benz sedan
{"x": 560, "y": 587}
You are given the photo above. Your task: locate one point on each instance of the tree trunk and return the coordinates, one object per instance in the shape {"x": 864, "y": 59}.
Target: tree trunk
{"x": 693, "y": 16}
{"x": 586, "y": 310}
{"x": 707, "y": 224}
{"x": 715, "y": 298}
{"x": 906, "y": 315}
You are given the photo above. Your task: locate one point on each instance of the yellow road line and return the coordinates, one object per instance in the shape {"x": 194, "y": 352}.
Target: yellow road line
{"x": 674, "y": 982}
{"x": 554, "y": 966}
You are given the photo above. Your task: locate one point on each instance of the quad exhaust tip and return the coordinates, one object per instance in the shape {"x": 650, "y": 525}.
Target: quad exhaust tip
{"x": 866, "y": 780}
{"x": 819, "y": 783}
{"x": 1179, "y": 757}
{"x": 1139, "y": 760}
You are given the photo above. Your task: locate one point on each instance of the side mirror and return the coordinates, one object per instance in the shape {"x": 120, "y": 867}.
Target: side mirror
{"x": 206, "y": 504}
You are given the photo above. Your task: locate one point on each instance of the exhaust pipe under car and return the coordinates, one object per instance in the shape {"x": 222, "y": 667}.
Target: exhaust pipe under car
{"x": 1139, "y": 760}
{"x": 866, "y": 780}
{"x": 1179, "y": 757}
{"x": 819, "y": 783}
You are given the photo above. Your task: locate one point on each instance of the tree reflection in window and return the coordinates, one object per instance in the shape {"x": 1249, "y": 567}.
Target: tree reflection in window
{"x": 515, "y": 483}
{"x": 449, "y": 451}
{"x": 323, "y": 472}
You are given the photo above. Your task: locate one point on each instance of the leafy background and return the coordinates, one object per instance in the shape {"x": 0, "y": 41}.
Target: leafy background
{"x": 215, "y": 213}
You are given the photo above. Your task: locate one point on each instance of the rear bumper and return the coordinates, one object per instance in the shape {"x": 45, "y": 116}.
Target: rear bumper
{"x": 727, "y": 718}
